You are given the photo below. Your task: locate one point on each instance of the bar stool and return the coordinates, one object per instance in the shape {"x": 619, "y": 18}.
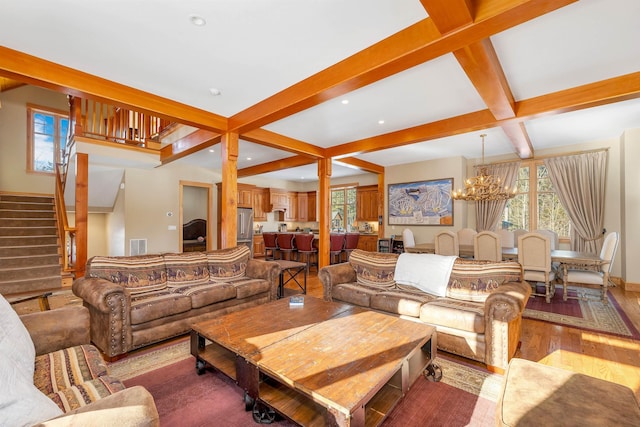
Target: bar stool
{"x": 270, "y": 245}
{"x": 304, "y": 244}
{"x": 350, "y": 243}
{"x": 286, "y": 246}
{"x": 335, "y": 248}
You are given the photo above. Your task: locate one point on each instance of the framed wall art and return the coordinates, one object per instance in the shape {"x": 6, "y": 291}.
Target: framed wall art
{"x": 421, "y": 203}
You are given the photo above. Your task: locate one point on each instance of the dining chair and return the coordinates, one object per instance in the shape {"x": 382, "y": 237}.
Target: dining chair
{"x": 446, "y": 243}
{"x": 599, "y": 277}
{"x": 487, "y": 246}
{"x": 465, "y": 236}
{"x": 304, "y": 244}
{"x": 350, "y": 243}
{"x": 286, "y": 246}
{"x": 516, "y": 235}
{"x": 270, "y": 245}
{"x": 552, "y": 235}
{"x": 507, "y": 238}
{"x": 407, "y": 238}
{"x": 534, "y": 255}
{"x": 336, "y": 245}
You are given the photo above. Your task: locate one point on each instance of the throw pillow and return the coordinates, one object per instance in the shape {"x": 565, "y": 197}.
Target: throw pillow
{"x": 427, "y": 272}
{"x": 16, "y": 345}
{"x": 374, "y": 268}
{"x": 188, "y": 268}
{"x": 137, "y": 274}
{"x": 21, "y": 403}
{"x": 473, "y": 280}
{"x": 228, "y": 264}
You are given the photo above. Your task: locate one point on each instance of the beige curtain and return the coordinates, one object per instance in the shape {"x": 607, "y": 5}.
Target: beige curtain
{"x": 488, "y": 213}
{"x": 579, "y": 180}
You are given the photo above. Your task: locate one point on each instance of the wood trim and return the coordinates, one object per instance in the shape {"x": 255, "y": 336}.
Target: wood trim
{"x": 363, "y": 165}
{"x": 276, "y": 165}
{"x": 281, "y": 142}
{"x": 30, "y": 69}
{"x": 191, "y": 143}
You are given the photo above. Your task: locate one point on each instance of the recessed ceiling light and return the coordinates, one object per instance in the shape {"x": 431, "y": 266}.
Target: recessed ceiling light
{"x": 302, "y": 177}
{"x": 211, "y": 150}
{"x": 380, "y": 122}
{"x": 248, "y": 158}
{"x": 215, "y": 91}
{"x": 198, "y": 21}
{"x": 345, "y": 101}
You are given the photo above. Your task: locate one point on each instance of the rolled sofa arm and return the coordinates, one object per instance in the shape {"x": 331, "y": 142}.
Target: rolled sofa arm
{"x": 267, "y": 270}
{"x": 503, "y": 323}
{"x": 131, "y": 407}
{"x": 109, "y": 306}
{"x": 335, "y": 274}
{"x": 57, "y": 329}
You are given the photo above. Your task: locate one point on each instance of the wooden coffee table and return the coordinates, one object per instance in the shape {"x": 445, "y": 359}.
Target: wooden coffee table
{"x": 324, "y": 363}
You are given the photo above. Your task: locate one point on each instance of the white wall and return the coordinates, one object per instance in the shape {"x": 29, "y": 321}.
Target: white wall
{"x": 629, "y": 248}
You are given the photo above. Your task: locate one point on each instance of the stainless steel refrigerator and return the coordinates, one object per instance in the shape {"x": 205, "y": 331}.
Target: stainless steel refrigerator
{"x": 245, "y": 228}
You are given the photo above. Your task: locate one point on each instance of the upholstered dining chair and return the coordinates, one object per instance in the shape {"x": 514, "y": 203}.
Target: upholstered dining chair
{"x": 350, "y": 243}
{"x": 270, "y": 245}
{"x": 598, "y": 277}
{"x": 408, "y": 241}
{"x": 446, "y": 243}
{"x": 309, "y": 254}
{"x": 336, "y": 245}
{"x": 552, "y": 235}
{"x": 507, "y": 238}
{"x": 465, "y": 236}
{"x": 286, "y": 246}
{"x": 516, "y": 234}
{"x": 534, "y": 255}
{"x": 487, "y": 246}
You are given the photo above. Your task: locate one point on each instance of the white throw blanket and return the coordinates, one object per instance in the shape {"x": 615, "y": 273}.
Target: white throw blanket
{"x": 427, "y": 272}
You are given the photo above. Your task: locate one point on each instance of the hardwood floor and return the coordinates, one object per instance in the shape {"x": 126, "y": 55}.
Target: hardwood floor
{"x": 598, "y": 355}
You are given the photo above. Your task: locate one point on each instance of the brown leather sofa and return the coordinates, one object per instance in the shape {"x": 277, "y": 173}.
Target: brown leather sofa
{"x": 479, "y": 317}
{"x": 52, "y": 376}
{"x": 139, "y": 300}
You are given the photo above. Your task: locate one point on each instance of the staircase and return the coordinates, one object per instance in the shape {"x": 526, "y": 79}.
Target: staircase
{"x": 30, "y": 260}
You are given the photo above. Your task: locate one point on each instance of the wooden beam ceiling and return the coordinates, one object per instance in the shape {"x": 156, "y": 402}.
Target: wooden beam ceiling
{"x": 412, "y": 46}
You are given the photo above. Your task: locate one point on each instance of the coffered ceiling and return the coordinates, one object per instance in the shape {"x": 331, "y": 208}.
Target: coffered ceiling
{"x": 371, "y": 83}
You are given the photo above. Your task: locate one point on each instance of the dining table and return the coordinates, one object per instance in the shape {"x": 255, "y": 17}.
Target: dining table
{"x": 565, "y": 259}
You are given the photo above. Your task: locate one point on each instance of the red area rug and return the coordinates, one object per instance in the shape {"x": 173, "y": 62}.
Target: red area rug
{"x": 587, "y": 312}
{"x": 465, "y": 397}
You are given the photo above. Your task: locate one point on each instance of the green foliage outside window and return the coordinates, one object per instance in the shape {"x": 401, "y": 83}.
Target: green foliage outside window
{"x": 343, "y": 208}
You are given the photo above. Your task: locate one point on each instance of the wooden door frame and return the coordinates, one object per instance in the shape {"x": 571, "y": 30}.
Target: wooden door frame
{"x": 209, "y": 188}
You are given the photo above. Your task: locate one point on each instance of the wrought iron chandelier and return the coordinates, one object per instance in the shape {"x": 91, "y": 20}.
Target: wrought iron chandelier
{"x": 483, "y": 187}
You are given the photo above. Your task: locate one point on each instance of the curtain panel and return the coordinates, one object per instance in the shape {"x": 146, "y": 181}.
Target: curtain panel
{"x": 579, "y": 180}
{"x": 488, "y": 213}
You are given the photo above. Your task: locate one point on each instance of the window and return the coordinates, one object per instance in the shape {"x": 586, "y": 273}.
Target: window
{"x": 47, "y": 131}
{"x": 536, "y": 206}
{"x": 343, "y": 208}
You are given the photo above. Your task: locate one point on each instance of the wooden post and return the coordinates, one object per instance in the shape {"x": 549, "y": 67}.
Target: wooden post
{"x": 381, "y": 194}
{"x": 229, "y": 190}
{"x": 324, "y": 211}
{"x": 82, "y": 209}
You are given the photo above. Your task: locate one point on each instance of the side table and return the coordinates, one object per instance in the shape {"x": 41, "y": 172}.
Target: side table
{"x": 293, "y": 269}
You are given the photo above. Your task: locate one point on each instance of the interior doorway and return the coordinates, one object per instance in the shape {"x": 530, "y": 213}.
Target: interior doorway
{"x": 196, "y": 199}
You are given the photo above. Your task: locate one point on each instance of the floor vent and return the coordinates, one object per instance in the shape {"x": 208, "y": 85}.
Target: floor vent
{"x": 137, "y": 247}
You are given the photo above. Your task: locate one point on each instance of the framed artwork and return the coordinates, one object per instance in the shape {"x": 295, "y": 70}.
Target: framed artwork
{"x": 421, "y": 203}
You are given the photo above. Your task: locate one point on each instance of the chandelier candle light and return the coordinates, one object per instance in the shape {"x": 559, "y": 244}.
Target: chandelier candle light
{"x": 483, "y": 187}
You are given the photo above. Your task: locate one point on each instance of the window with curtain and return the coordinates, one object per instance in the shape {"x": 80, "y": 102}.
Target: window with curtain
{"x": 47, "y": 136}
{"x": 343, "y": 208}
{"x": 536, "y": 205}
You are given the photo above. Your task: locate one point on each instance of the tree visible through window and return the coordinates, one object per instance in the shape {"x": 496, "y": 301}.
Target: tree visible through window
{"x": 47, "y": 138}
{"x": 536, "y": 206}
{"x": 343, "y": 208}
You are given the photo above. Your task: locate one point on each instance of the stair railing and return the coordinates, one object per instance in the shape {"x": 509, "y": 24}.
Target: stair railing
{"x": 66, "y": 234}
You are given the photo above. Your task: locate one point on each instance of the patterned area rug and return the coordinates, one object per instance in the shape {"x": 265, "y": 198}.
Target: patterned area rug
{"x": 586, "y": 312}
{"x": 466, "y": 395}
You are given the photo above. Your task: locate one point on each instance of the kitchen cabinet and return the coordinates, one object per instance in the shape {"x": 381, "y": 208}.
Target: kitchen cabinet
{"x": 303, "y": 207}
{"x": 258, "y": 246}
{"x": 245, "y": 196}
{"x": 291, "y": 214}
{"x": 367, "y": 203}
{"x": 278, "y": 199}
{"x": 311, "y": 206}
{"x": 260, "y": 205}
{"x": 368, "y": 242}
